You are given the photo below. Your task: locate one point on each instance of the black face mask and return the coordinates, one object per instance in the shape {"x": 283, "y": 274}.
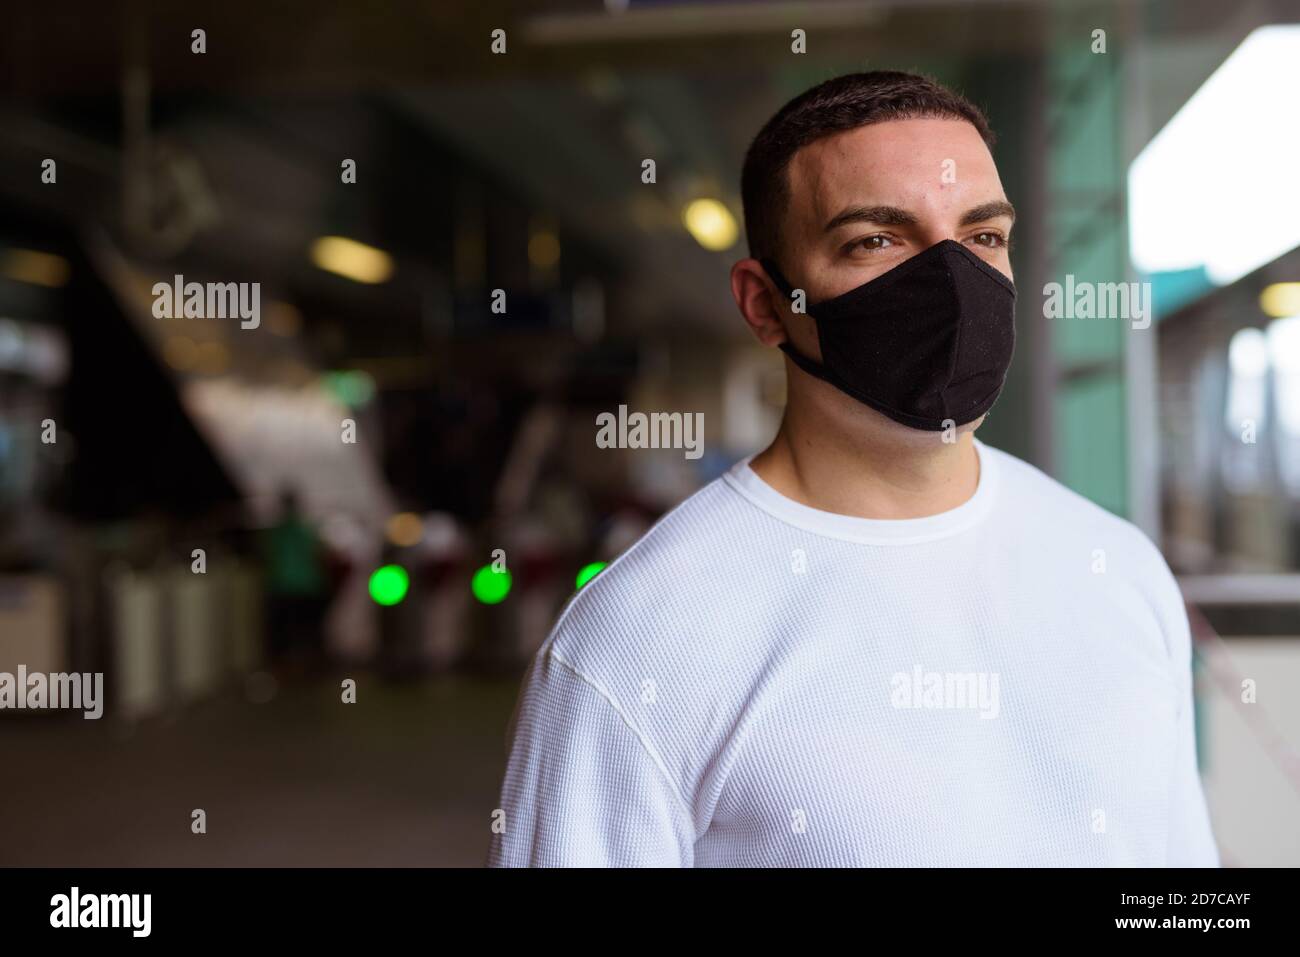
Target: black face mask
{"x": 927, "y": 343}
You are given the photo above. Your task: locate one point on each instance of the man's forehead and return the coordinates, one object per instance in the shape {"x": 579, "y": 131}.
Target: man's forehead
{"x": 886, "y": 163}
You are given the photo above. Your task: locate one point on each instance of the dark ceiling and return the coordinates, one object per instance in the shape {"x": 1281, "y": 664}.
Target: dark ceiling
{"x": 562, "y": 119}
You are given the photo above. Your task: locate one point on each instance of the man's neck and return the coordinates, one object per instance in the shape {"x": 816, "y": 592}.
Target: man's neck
{"x": 869, "y": 476}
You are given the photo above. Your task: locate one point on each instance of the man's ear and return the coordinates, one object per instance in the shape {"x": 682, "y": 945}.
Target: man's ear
{"x": 760, "y": 303}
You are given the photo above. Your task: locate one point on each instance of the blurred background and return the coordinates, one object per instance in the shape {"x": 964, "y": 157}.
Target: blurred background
{"x": 388, "y": 479}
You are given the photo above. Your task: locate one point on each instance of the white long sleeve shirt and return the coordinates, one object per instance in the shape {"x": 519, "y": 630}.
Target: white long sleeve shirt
{"x": 760, "y": 683}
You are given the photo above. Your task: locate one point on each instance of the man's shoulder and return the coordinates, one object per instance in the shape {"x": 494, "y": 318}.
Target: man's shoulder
{"x": 1059, "y": 527}
{"x": 1061, "y": 518}
{"x": 1038, "y": 496}
{"x": 670, "y": 553}
{"x": 655, "y": 601}
{"x": 662, "y": 632}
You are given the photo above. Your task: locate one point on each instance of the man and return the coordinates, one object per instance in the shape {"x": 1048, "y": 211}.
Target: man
{"x": 878, "y": 641}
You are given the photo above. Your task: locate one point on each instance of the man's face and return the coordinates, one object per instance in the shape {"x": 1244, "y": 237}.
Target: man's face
{"x": 863, "y": 201}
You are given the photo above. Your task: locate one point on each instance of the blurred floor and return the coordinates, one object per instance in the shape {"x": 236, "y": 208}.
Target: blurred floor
{"x": 407, "y": 776}
{"x": 410, "y": 774}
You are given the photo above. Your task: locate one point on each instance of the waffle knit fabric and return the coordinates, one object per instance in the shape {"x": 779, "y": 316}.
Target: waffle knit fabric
{"x": 760, "y": 683}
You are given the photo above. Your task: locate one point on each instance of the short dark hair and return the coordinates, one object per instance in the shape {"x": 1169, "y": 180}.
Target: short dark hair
{"x": 843, "y": 103}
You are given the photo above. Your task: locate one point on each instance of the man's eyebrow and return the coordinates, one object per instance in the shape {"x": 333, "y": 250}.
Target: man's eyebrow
{"x": 895, "y": 216}
{"x": 987, "y": 211}
{"x": 880, "y": 215}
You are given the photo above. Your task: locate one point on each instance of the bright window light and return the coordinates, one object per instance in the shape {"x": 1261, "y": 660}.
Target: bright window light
{"x": 1247, "y": 383}
{"x": 1216, "y": 186}
{"x": 1284, "y": 354}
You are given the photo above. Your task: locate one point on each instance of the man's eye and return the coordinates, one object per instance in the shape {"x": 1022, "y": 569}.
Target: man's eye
{"x": 871, "y": 243}
{"x": 991, "y": 240}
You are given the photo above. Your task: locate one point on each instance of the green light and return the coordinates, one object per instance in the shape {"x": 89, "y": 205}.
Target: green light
{"x": 491, "y": 586}
{"x": 352, "y": 387}
{"x": 588, "y": 572}
{"x": 388, "y": 584}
